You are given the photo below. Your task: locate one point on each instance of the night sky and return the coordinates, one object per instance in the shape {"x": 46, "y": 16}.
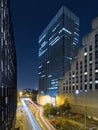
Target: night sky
{"x": 30, "y": 18}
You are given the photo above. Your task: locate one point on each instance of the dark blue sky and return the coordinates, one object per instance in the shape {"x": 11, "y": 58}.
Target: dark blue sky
{"x": 30, "y": 17}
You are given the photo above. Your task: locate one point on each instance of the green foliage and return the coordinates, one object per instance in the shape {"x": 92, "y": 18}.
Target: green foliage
{"x": 34, "y": 95}
{"x": 31, "y": 94}
{"x": 47, "y": 105}
{"x": 64, "y": 108}
{"x": 49, "y": 110}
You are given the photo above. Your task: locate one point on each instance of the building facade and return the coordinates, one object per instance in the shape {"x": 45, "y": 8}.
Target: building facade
{"x": 58, "y": 44}
{"x": 80, "y": 83}
{"x": 8, "y": 73}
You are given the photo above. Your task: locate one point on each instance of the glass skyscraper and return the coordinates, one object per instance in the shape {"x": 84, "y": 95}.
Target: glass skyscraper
{"x": 8, "y": 72}
{"x": 58, "y": 44}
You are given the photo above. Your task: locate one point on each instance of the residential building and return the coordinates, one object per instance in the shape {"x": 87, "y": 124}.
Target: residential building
{"x": 80, "y": 83}
{"x": 8, "y": 73}
{"x": 58, "y": 44}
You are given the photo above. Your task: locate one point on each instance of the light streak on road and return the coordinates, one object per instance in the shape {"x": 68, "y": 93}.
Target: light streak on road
{"x": 41, "y": 115}
{"x": 34, "y": 123}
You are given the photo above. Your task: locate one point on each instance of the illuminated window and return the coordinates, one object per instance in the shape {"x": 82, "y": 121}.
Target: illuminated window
{"x": 43, "y": 44}
{"x": 42, "y": 52}
{"x": 96, "y": 81}
{"x": 54, "y": 41}
{"x": 77, "y": 91}
{"x": 55, "y": 28}
{"x": 85, "y": 83}
{"x": 43, "y": 76}
{"x": 48, "y": 62}
{"x": 74, "y": 43}
{"x": 76, "y": 33}
{"x": 90, "y": 82}
{"x": 85, "y": 73}
{"x": 2, "y": 29}
{"x": 39, "y": 73}
{"x": 76, "y": 39}
{"x": 40, "y": 67}
{"x": 49, "y": 76}
{"x": 66, "y": 30}
{"x": 42, "y": 38}
{"x": 90, "y": 62}
{"x": 73, "y": 76}
{"x": 85, "y": 54}
{"x": 96, "y": 71}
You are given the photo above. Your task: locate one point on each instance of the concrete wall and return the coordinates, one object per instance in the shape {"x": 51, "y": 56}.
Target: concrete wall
{"x": 43, "y": 99}
{"x": 84, "y": 103}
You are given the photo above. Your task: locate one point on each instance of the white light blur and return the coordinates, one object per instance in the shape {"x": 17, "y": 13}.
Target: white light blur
{"x": 41, "y": 114}
{"x": 35, "y": 125}
{"x": 77, "y": 91}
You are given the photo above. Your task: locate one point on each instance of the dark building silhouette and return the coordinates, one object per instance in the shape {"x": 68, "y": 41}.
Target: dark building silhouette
{"x": 8, "y": 72}
{"x": 58, "y": 44}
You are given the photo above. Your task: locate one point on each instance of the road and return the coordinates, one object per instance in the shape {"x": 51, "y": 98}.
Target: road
{"x": 47, "y": 124}
{"x": 34, "y": 124}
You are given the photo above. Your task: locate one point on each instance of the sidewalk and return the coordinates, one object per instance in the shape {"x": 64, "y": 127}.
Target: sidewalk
{"x": 19, "y": 119}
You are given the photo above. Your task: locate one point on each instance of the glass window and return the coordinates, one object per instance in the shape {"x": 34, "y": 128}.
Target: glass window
{"x": 63, "y": 88}
{"x": 90, "y": 48}
{"x": 85, "y": 86}
{"x": 90, "y": 56}
{"x": 96, "y": 86}
{"x": 90, "y": 86}
{"x": 76, "y": 87}
{"x": 85, "y": 49}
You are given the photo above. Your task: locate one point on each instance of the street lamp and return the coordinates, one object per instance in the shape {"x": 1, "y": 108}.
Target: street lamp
{"x": 20, "y": 94}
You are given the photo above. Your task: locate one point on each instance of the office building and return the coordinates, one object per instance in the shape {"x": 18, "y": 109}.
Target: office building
{"x": 8, "y": 74}
{"x": 58, "y": 44}
{"x": 80, "y": 83}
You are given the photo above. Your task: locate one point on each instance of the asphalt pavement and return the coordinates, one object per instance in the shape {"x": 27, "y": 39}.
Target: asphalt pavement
{"x": 33, "y": 122}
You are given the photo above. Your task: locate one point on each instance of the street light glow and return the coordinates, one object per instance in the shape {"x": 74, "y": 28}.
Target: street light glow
{"x": 20, "y": 93}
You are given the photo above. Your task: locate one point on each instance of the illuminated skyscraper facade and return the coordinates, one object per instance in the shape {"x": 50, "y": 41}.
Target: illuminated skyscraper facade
{"x": 58, "y": 44}
{"x": 8, "y": 74}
